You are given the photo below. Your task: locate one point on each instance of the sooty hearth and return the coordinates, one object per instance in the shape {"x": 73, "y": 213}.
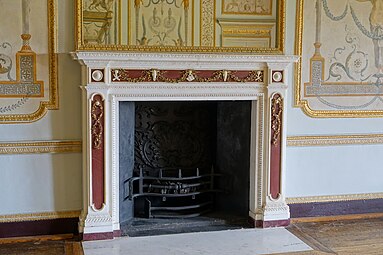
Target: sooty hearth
{"x": 184, "y": 166}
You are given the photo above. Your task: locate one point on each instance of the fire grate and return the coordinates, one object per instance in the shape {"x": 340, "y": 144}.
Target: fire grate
{"x": 172, "y": 192}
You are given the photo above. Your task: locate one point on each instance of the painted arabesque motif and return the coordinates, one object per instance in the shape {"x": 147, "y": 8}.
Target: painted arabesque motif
{"x": 162, "y": 22}
{"x": 342, "y": 74}
{"x": 28, "y": 76}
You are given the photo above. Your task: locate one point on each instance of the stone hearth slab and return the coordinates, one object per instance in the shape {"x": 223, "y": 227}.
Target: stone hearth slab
{"x": 228, "y": 242}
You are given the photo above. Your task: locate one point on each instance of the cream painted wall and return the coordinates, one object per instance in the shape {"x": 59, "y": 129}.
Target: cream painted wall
{"x": 37, "y": 183}
{"x": 52, "y": 182}
{"x": 330, "y": 170}
{"x": 40, "y": 183}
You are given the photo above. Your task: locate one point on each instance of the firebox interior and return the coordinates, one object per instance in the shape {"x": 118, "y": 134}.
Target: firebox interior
{"x": 184, "y": 166}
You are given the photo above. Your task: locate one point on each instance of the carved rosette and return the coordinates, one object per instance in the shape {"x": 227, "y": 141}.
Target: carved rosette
{"x": 98, "y": 167}
{"x": 276, "y": 145}
{"x": 97, "y": 75}
{"x": 277, "y": 76}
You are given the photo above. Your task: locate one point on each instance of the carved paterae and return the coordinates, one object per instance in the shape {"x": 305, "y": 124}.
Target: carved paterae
{"x": 97, "y": 126}
{"x": 97, "y": 75}
{"x": 276, "y": 117}
{"x": 175, "y": 76}
{"x": 277, "y": 76}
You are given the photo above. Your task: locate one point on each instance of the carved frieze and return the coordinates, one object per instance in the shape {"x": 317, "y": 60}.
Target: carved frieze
{"x": 175, "y": 76}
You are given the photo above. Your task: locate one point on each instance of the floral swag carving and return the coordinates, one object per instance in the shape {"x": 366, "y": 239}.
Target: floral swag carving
{"x": 276, "y": 117}
{"x": 97, "y": 113}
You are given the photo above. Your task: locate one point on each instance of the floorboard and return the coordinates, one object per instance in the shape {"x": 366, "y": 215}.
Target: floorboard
{"x": 346, "y": 237}
{"x": 342, "y": 237}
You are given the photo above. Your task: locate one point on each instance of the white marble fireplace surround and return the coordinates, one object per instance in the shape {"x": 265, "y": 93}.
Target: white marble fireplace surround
{"x": 98, "y": 79}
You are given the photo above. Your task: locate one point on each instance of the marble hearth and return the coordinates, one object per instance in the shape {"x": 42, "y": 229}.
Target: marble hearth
{"x": 111, "y": 77}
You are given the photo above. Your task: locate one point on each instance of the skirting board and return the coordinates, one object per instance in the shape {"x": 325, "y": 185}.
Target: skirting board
{"x": 39, "y": 227}
{"x": 323, "y": 209}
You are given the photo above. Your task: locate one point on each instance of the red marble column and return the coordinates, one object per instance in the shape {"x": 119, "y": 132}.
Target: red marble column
{"x": 97, "y": 131}
{"x": 276, "y": 145}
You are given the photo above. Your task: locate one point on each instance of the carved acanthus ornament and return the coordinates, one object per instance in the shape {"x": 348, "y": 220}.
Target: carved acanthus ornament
{"x": 276, "y": 118}
{"x": 97, "y": 125}
{"x": 207, "y": 29}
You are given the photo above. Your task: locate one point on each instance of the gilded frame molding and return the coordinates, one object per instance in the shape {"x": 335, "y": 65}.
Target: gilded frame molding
{"x": 37, "y": 147}
{"x": 280, "y": 40}
{"x": 334, "y": 140}
{"x": 333, "y": 198}
{"x": 303, "y": 104}
{"x": 53, "y": 102}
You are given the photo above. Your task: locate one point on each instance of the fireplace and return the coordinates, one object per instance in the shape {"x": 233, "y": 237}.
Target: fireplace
{"x": 130, "y": 174}
{"x": 190, "y": 160}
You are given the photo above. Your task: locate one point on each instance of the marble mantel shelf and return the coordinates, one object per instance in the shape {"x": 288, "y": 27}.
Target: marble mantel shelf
{"x": 179, "y": 61}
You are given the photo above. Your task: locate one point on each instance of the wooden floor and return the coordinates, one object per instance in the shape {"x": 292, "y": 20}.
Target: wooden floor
{"x": 41, "y": 245}
{"x": 347, "y": 237}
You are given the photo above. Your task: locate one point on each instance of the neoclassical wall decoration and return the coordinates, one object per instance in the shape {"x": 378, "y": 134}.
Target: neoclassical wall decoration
{"x": 341, "y": 69}
{"x": 246, "y": 7}
{"x": 28, "y": 61}
{"x": 181, "y": 26}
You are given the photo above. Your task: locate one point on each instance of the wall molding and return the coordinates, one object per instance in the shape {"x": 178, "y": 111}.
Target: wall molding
{"x": 334, "y": 198}
{"x": 32, "y": 147}
{"x": 307, "y": 141}
{"x": 39, "y": 216}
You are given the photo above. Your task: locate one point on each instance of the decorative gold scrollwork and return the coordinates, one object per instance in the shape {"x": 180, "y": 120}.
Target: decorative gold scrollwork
{"x": 97, "y": 126}
{"x": 154, "y": 75}
{"x": 276, "y": 117}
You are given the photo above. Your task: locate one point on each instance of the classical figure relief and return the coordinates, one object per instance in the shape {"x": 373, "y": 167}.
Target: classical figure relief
{"x": 98, "y": 17}
{"x": 258, "y": 7}
{"x": 104, "y": 4}
{"x": 345, "y": 72}
{"x": 376, "y": 25}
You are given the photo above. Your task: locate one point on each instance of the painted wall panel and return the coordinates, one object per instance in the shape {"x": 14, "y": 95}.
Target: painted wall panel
{"x": 298, "y": 122}
{"x": 40, "y": 183}
{"x": 331, "y": 170}
{"x": 336, "y": 170}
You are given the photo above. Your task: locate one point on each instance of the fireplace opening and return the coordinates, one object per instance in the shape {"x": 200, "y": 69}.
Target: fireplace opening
{"x": 184, "y": 166}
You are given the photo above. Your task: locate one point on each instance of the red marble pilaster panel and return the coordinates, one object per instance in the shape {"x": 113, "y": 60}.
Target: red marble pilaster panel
{"x": 97, "y": 131}
{"x": 276, "y": 145}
